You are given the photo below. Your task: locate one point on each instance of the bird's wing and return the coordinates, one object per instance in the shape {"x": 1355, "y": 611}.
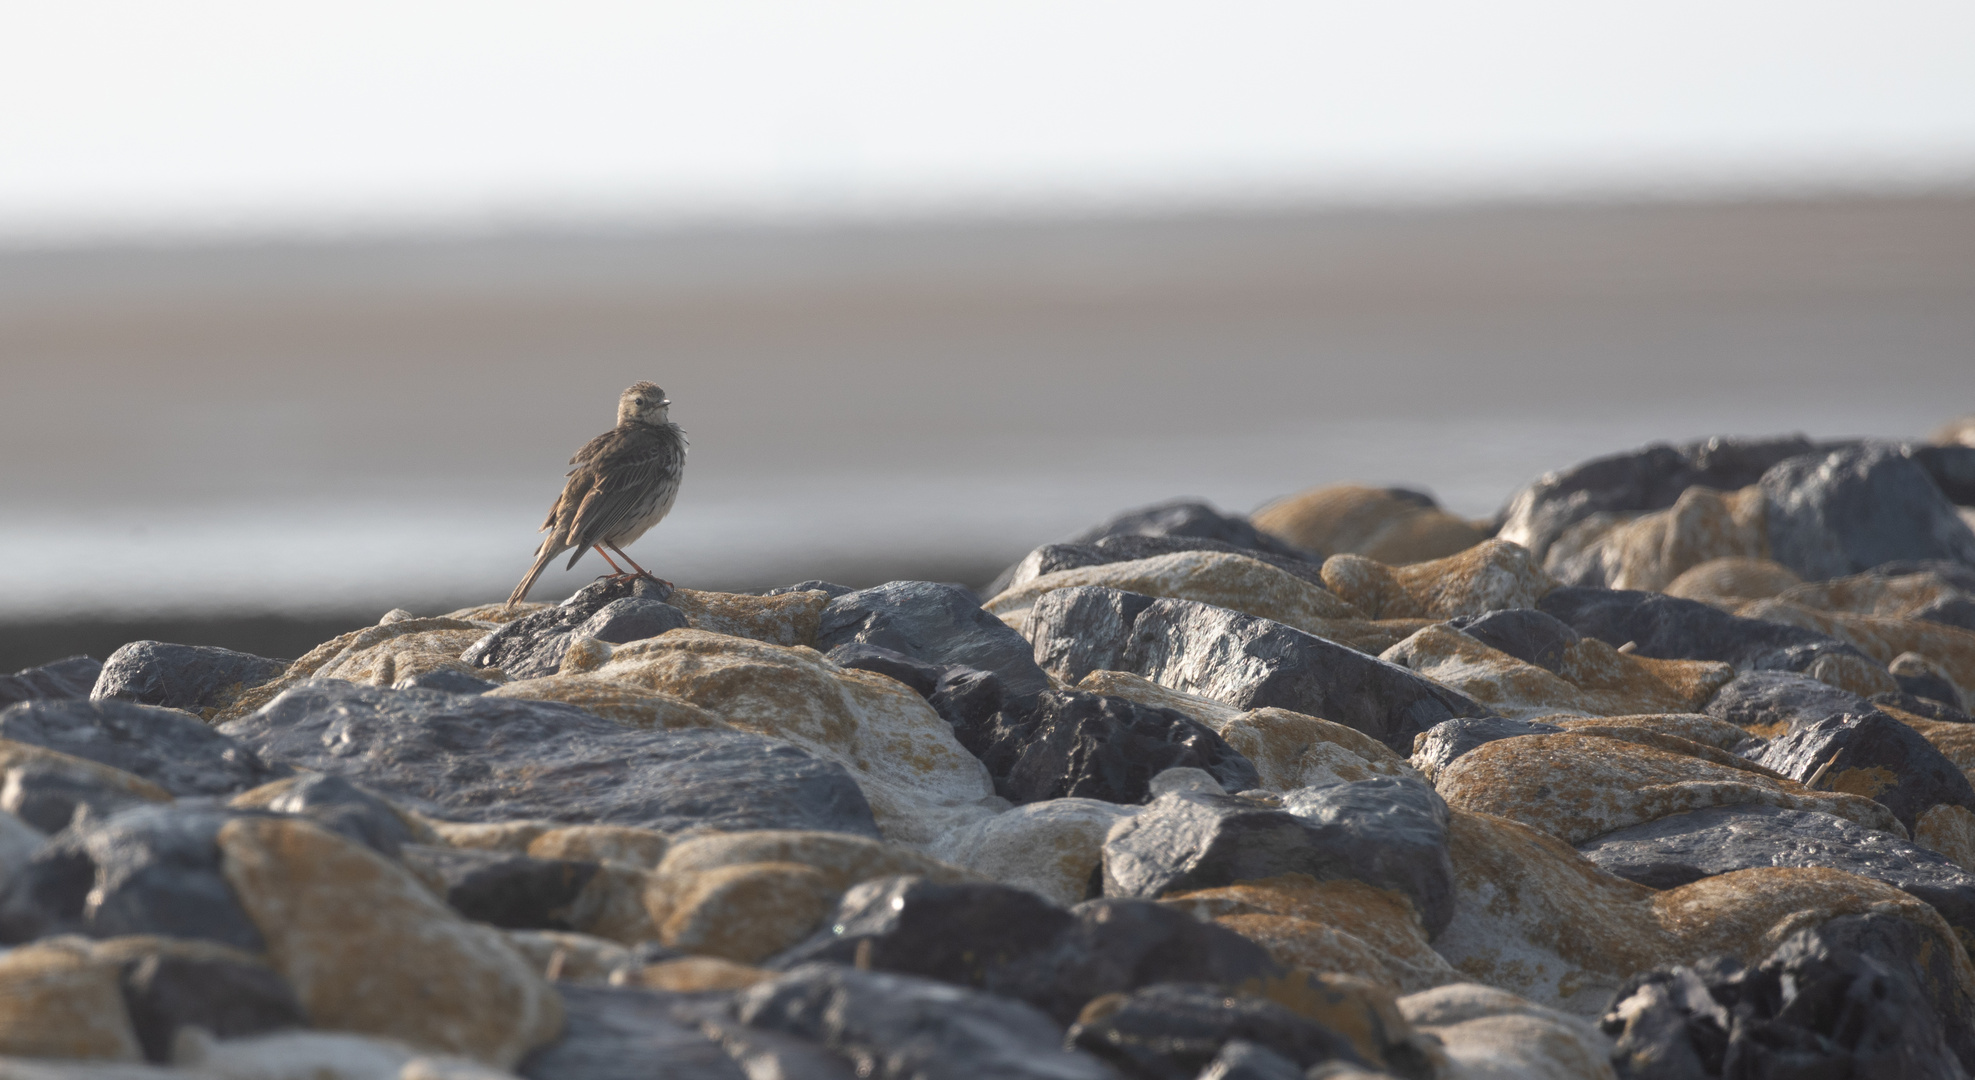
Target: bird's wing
{"x": 625, "y": 472}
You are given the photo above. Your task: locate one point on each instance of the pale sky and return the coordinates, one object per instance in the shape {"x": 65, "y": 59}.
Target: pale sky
{"x": 205, "y": 116}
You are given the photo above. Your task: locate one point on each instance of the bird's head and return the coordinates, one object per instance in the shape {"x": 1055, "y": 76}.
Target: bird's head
{"x": 643, "y": 403}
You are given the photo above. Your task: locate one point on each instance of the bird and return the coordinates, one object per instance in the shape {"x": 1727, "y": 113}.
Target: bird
{"x": 623, "y": 483}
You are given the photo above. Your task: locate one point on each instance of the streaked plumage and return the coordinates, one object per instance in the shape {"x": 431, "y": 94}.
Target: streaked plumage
{"x": 624, "y": 482}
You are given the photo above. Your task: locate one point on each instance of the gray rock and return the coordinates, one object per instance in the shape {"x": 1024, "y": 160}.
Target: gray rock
{"x": 935, "y": 624}
{"x": 1446, "y": 741}
{"x": 1242, "y": 660}
{"x": 1386, "y": 832}
{"x": 618, "y": 1033}
{"x": 342, "y": 807}
{"x": 479, "y": 758}
{"x": 633, "y": 618}
{"x": 167, "y": 747}
{"x": 181, "y": 676}
{"x": 229, "y": 999}
{"x": 813, "y": 585}
{"x": 534, "y": 644}
{"x": 1684, "y": 848}
{"x": 1093, "y": 746}
{"x": 72, "y": 677}
{"x": 1851, "y": 509}
{"x": 1527, "y": 634}
{"x": 48, "y": 795}
{"x": 1765, "y": 699}
{"x": 1188, "y": 517}
{"x": 444, "y": 679}
{"x": 1952, "y": 468}
{"x": 1902, "y": 770}
{"x": 1175, "y": 1031}
{"x": 895, "y": 1027}
{"x": 1930, "y": 685}
{"x": 966, "y": 933}
{"x": 1240, "y": 1059}
{"x": 1050, "y": 558}
{"x": 1670, "y": 628}
{"x": 506, "y": 889}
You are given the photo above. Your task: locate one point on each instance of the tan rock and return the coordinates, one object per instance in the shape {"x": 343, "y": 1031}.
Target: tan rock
{"x": 1652, "y": 550}
{"x": 1880, "y": 637}
{"x": 692, "y": 975}
{"x": 369, "y": 950}
{"x": 342, "y": 653}
{"x": 497, "y": 614}
{"x": 745, "y": 913}
{"x": 1049, "y": 848}
{"x": 1488, "y": 1034}
{"x": 1732, "y": 580}
{"x": 1537, "y": 919}
{"x": 1692, "y": 727}
{"x": 1208, "y": 577}
{"x": 563, "y": 956}
{"x": 1492, "y": 575}
{"x": 626, "y": 844}
{"x": 612, "y": 905}
{"x": 788, "y": 619}
{"x": 1956, "y": 432}
{"x": 512, "y": 836}
{"x": 1950, "y": 830}
{"x": 1892, "y": 597}
{"x": 16, "y": 754}
{"x": 918, "y": 779}
{"x": 1911, "y": 665}
{"x": 60, "y": 1000}
{"x": 625, "y": 703}
{"x": 1343, "y": 925}
{"x": 1956, "y": 742}
{"x": 1576, "y": 786}
{"x": 843, "y": 859}
{"x": 274, "y": 796}
{"x": 1592, "y": 678}
{"x": 1360, "y": 1009}
{"x": 1374, "y": 522}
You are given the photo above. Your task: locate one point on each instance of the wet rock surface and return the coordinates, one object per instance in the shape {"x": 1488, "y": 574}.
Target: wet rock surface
{"x": 935, "y": 624}
{"x": 164, "y": 746}
{"x": 535, "y": 644}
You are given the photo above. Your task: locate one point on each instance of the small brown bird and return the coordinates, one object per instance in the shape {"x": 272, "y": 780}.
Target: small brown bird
{"x": 624, "y": 482}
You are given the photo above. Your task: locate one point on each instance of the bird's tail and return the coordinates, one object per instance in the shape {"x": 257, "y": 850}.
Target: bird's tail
{"x": 542, "y": 557}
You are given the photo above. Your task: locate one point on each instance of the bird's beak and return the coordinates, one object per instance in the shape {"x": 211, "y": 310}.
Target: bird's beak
{"x": 666, "y": 402}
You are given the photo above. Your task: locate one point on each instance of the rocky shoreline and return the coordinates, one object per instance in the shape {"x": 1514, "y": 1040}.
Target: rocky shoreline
{"x": 1663, "y": 773}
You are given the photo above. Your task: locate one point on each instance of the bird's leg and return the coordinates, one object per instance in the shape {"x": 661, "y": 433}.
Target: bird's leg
{"x": 642, "y": 572}
{"x": 619, "y": 575}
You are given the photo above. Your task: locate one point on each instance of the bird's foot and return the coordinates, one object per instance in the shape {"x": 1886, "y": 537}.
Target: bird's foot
{"x": 649, "y": 576}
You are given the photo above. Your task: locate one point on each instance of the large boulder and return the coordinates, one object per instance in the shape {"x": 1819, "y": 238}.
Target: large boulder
{"x": 936, "y": 624}
{"x": 1851, "y": 509}
{"x": 193, "y": 677}
{"x": 1074, "y": 744}
{"x": 616, "y": 611}
{"x": 164, "y": 746}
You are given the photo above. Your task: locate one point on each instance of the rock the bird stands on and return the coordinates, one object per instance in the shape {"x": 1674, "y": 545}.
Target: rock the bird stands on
{"x": 1663, "y": 773}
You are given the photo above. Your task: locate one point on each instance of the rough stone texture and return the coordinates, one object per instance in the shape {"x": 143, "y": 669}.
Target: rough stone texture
{"x": 1691, "y": 727}
{"x": 1076, "y": 744}
{"x": 620, "y": 702}
{"x": 1920, "y": 677}
{"x": 1684, "y": 848}
{"x": 71, "y": 677}
{"x": 1185, "y": 517}
{"x": 1590, "y": 677}
{"x": 58, "y": 1000}
{"x": 1880, "y": 592}
{"x": 46, "y": 789}
{"x": 1843, "y": 999}
{"x": 937, "y": 624}
{"x": 1727, "y": 582}
{"x": 1491, "y": 576}
{"x": 1524, "y": 633}
{"x": 844, "y": 860}
{"x": 896, "y": 1026}
{"x": 1575, "y": 786}
{"x": 1050, "y": 558}
{"x": 1239, "y": 660}
{"x": 487, "y": 758}
{"x": 619, "y": 1033}
{"x": 919, "y": 781}
{"x": 1883, "y": 639}
{"x": 968, "y": 934}
{"x": 194, "y": 677}
{"x": 780, "y": 618}
{"x": 1391, "y": 525}
{"x": 630, "y": 619}
{"x": 164, "y": 746}
{"x": 501, "y": 888}
{"x": 745, "y": 912}
{"x": 171, "y": 984}
{"x": 1227, "y": 580}
{"x": 1174, "y": 1030}
{"x": 423, "y": 975}
{"x": 1769, "y": 703}
{"x": 1488, "y": 1033}
{"x": 623, "y": 844}
{"x": 341, "y": 807}
{"x": 1872, "y": 755}
{"x": 1949, "y": 830}
{"x": 1537, "y": 919}
{"x": 1653, "y": 549}
{"x": 409, "y": 658}
{"x": 1854, "y": 508}
{"x": 1338, "y": 925}
{"x": 534, "y": 644}
{"x": 1442, "y": 744}
{"x": 346, "y": 651}
{"x": 1385, "y": 832}
{"x": 1050, "y": 848}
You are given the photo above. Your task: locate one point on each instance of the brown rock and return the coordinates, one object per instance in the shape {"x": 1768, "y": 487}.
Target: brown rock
{"x": 338, "y": 653}
{"x": 1361, "y": 1010}
{"x": 368, "y": 949}
{"x": 1373, "y": 522}
{"x": 612, "y": 905}
{"x": 788, "y": 619}
{"x": 406, "y": 655}
{"x": 1893, "y": 597}
{"x": 627, "y": 704}
{"x": 1591, "y": 679}
{"x": 512, "y": 836}
{"x": 1343, "y": 925}
{"x": 1490, "y": 576}
{"x": 562, "y": 956}
{"x": 1880, "y": 637}
{"x": 746, "y": 913}
{"x": 1692, "y": 727}
{"x": 1652, "y": 550}
{"x": 626, "y": 844}
{"x": 1950, "y": 830}
{"x": 1575, "y": 786}
{"x": 60, "y": 1000}
{"x": 843, "y": 859}
{"x": 1734, "y": 580}
{"x": 694, "y": 974}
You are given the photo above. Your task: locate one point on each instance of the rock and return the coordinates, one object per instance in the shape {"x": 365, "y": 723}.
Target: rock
{"x": 842, "y": 859}
{"x": 1769, "y": 703}
{"x": 170, "y": 985}
{"x": 1443, "y": 743}
{"x": 619, "y": 702}
{"x": 1051, "y": 558}
{"x": 18, "y": 843}
{"x": 937, "y": 624}
{"x": 534, "y": 644}
{"x": 370, "y": 655}
{"x": 922, "y": 677}
{"x": 198, "y": 678}
{"x": 1949, "y": 830}
{"x": 1385, "y": 832}
{"x": 445, "y": 680}
{"x": 1951, "y": 467}
{"x": 1854, "y": 508}
{"x": 564, "y": 956}
{"x": 164, "y": 746}
{"x": 1238, "y": 660}
{"x": 965, "y": 933}
{"x": 1240, "y": 1059}
{"x": 1577, "y": 785}
{"x": 1391, "y": 525}
{"x": 1818, "y": 1005}
{"x": 695, "y": 974}
{"x": 630, "y": 619}
{"x": 1650, "y": 551}
{"x": 341, "y": 807}
{"x": 896, "y": 1026}
{"x": 1732, "y": 580}
{"x": 47, "y": 792}
{"x": 1591, "y": 678}
{"x": 1076, "y": 744}
{"x": 1232, "y": 581}
{"x": 71, "y": 677}
{"x": 1894, "y": 590}
{"x": 147, "y": 870}
{"x": 1490, "y": 1033}
{"x": 1922, "y": 677}
{"x": 1539, "y": 920}
{"x": 426, "y": 976}
{"x": 1172, "y": 1031}
{"x": 779, "y": 618}
{"x": 1184, "y": 517}
{"x": 1490, "y": 576}
{"x": 919, "y": 781}
{"x": 58, "y": 1000}
{"x": 1527, "y": 634}
{"x": 486, "y": 758}
{"x": 316, "y": 1055}
{"x": 1882, "y": 639}
{"x": 1050, "y": 848}
{"x": 1872, "y": 755}
{"x": 619, "y": 1033}
{"x": 828, "y": 588}
{"x": 1683, "y": 848}
{"x": 622, "y": 844}
{"x": 744, "y": 913}
{"x": 510, "y": 891}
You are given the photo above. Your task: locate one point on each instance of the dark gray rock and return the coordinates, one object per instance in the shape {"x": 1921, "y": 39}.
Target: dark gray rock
{"x": 1189, "y": 517}
{"x": 181, "y": 676}
{"x": 1772, "y": 702}
{"x": 1174, "y": 1031}
{"x": 1650, "y": 478}
{"x": 1240, "y": 1059}
{"x": 1093, "y": 746}
{"x": 917, "y": 674}
{"x": 1527, "y": 634}
{"x": 47, "y": 795}
{"x": 1850, "y": 998}
{"x": 1929, "y": 685}
{"x": 1952, "y": 468}
{"x": 534, "y": 644}
{"x": 446, "y": 680}
{"x": 1851, "y": 509}
{"x": 167, "y": 747}
{"x": 760, "y": 1052}
{"x": 229, "y": 999}
{"x": 1871, "y": 754}
{"x": 1386, "y": 832}
{"x": 147, "y": 870}
{"x": 342, "y": 807}
{"x": 633, "y": 618}
{"x": 619, "y": 1033}
{"x": 479, "y": 758}
{"x": 967, "y": 934}
{"x": 1957, "y": 610}
{"x": 506, "y": 889}
{"x": 813, "y": 585}
{"x": 1683, "y": 848}
{"x": 1670, "y": 628}
{"x": 1446, "y": 741}
{"x": 935, "y": 624}
{"x": 1050, "y": 558}
{"x": 72, "y": 677}
{"x": 1242, "y": 660}
{"x": 1925, "y": 708}
{"x": 895, "y": 1027}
